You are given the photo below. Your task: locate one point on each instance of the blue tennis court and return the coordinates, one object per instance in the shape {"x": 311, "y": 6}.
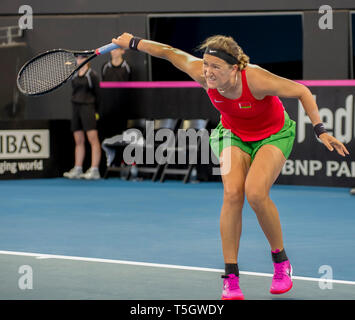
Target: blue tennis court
{"x": 115, "y": 239}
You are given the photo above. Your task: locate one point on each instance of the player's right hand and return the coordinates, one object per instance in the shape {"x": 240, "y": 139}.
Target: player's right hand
{"x": 123, "y": 40}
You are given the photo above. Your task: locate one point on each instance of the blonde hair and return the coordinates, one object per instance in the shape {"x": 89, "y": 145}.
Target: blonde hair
{"x": 230, "y": 46}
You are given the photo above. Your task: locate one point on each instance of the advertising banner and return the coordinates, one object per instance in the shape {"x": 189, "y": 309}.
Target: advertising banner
{"x": 17, "y": 147}
{"x": 34, "y": 149}
{"x": 310, "y": 162}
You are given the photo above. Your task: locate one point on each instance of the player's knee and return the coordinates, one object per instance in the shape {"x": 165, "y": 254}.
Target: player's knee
{"x": 256, "y": 194}
{"x": 233, "y": 195}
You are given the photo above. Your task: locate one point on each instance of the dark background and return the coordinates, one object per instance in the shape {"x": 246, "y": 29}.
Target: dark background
{"x": 282, "y": 36}
{"x": 276, "y": 49}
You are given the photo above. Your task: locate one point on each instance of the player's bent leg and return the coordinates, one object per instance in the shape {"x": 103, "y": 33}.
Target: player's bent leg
{"x": 263, "y": 172}
{"x": 234, "y": 167}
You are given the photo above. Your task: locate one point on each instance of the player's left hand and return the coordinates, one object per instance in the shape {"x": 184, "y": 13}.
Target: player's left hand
{"x": 332, "y": 143}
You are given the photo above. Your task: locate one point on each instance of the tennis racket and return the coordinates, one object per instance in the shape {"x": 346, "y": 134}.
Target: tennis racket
{"x": 49, "y": 70}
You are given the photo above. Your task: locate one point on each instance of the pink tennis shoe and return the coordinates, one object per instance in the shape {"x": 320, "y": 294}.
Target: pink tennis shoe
{"x": 281, "y": 281}
{"x": 231, "y": 289}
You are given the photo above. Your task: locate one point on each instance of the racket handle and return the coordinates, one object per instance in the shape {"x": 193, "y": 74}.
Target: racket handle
{"x": 107, "y": 48}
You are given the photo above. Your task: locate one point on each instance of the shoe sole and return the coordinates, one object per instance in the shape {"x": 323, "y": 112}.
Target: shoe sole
{"x": 236, "y": 298}
{"x": 282, "y": 291}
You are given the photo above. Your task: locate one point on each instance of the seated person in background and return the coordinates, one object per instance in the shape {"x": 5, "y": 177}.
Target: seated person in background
{"x": 85, "y": 101}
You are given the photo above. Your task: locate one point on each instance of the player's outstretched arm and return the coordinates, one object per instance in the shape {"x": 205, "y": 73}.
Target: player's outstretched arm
{"x": 182, "y": 60}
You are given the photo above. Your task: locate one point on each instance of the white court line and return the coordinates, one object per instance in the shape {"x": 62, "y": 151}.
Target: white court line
{"x": 158, "y": 265}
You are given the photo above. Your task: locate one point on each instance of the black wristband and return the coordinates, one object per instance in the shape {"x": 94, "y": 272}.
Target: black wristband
{"x": 133, "y": 43}
{"x": 319, "y": 129}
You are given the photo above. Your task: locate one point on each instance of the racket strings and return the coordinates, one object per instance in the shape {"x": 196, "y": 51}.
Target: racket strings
{"x": 47, "y": 72}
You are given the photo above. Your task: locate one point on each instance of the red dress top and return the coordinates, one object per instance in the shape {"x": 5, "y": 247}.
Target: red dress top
{"x": 248, "y": 118}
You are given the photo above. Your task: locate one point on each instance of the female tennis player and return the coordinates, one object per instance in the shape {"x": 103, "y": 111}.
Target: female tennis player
{"x": 252, "y": 140}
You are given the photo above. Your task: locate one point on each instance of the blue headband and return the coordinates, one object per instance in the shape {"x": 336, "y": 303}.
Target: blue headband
{"x": 222, "y": 55}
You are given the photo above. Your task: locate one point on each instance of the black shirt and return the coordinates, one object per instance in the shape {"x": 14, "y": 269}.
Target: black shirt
{"x": 86, "y": 88}
{"x": 109, "y": 72}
